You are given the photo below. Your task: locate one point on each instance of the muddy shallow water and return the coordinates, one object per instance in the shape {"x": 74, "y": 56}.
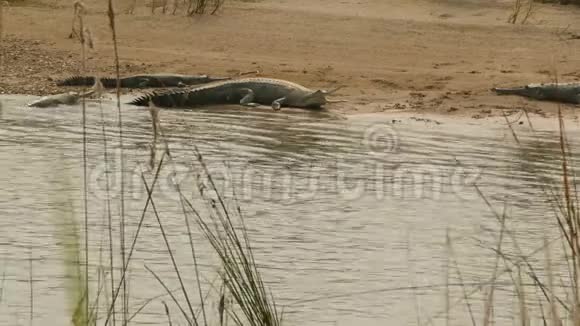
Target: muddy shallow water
{"x": 345, "y": 214}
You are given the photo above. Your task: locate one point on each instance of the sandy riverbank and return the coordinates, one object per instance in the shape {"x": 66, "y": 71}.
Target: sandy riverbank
{"x": 421, "y": 55}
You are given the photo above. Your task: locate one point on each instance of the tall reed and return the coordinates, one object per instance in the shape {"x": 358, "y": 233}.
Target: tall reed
{"x": 31, "y": 281}
{"x": 80, "y": 11}
{"x": 111, "y": 16}
{"x": 2, "y": 47}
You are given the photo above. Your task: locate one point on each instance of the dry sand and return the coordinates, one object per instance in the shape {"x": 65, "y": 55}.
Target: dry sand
{"x": 414, "y": 55}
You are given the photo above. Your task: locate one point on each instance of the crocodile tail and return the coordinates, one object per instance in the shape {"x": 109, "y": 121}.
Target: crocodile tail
{"x": 77, "y": 81}
{"x": 111, "y": 82}
{"x": 170, "y": 98}
{"x": 89, "y": 81}
{"x": 142, "y": 100}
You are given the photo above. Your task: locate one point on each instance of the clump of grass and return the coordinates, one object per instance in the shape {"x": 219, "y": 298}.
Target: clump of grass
{"x": 563, "y": 197}
{"x": 200, "y": 7}
{"x": 2, "y": 49}
{"x": 190, "y": 7}
{"x": 522, "y": 10}
{"x": 225, "y": 230}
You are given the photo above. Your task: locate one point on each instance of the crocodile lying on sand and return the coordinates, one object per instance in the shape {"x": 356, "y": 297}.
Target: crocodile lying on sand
{"x": 143, "y": 81}
{"x": 559, "y": 92}
{"x": 245, "y": 91}
{"x": 70, "y": 98}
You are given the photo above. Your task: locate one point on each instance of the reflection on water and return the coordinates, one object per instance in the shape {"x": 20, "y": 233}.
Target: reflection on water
{"x": 344, "y": 214}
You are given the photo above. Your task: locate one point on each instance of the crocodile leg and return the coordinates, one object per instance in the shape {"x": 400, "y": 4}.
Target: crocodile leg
{"x": 277, "y": 104}
{"x": 248, "y": 99}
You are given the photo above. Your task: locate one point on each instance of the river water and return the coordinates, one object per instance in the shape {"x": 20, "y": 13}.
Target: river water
{"x": 348, "y": 216}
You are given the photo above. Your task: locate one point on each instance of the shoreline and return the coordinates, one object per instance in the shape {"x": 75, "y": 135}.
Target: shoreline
{"x": 442, "y": 59}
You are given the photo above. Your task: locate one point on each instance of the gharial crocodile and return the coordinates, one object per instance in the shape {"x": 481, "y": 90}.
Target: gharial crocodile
{"x": 245, "y": 91}
{"x": 559, "y": 92}
{"x": 143, "y": 81}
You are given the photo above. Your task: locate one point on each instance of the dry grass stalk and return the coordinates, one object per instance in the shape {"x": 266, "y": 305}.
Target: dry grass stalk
{"x": 2, "y": 283}
{"x": 217, "y": 6}
{"x": 449, "y": 249}
{"x": 567, "y": 214}
{"x": 79, "y": 10}
{"x": 411, "y": 279}
{"x": 488, "y": 306}
{"x": 124, "y": 268}
{"x": 30, "y": 274}
{"x": 201, "y": 6}
{"x": 154, "y": 112}
{"x": 2, "y": 48}
{"x": 521, "y": 294}
{"x": 167, "y": 314}
{"x": 173, "y": 261}
{"x": 447, "y": 293}
{"x": 99, "y": 90}
{"x": 555, "y": 319}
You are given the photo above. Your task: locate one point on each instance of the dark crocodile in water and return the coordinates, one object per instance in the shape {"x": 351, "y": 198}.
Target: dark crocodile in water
{"x": 143, "y": 81}
{"x": 245, "y": 91}
{"x": 558, "y": 92}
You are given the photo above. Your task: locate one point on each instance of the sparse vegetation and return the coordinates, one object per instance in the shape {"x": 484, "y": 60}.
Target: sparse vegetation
{"x": 556, "y": 307}
{"x": 522, "y": 10}
{"x": 1, "y": 31}
{"x": 184, "y": 7}
{"x": 561, "y": 2}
